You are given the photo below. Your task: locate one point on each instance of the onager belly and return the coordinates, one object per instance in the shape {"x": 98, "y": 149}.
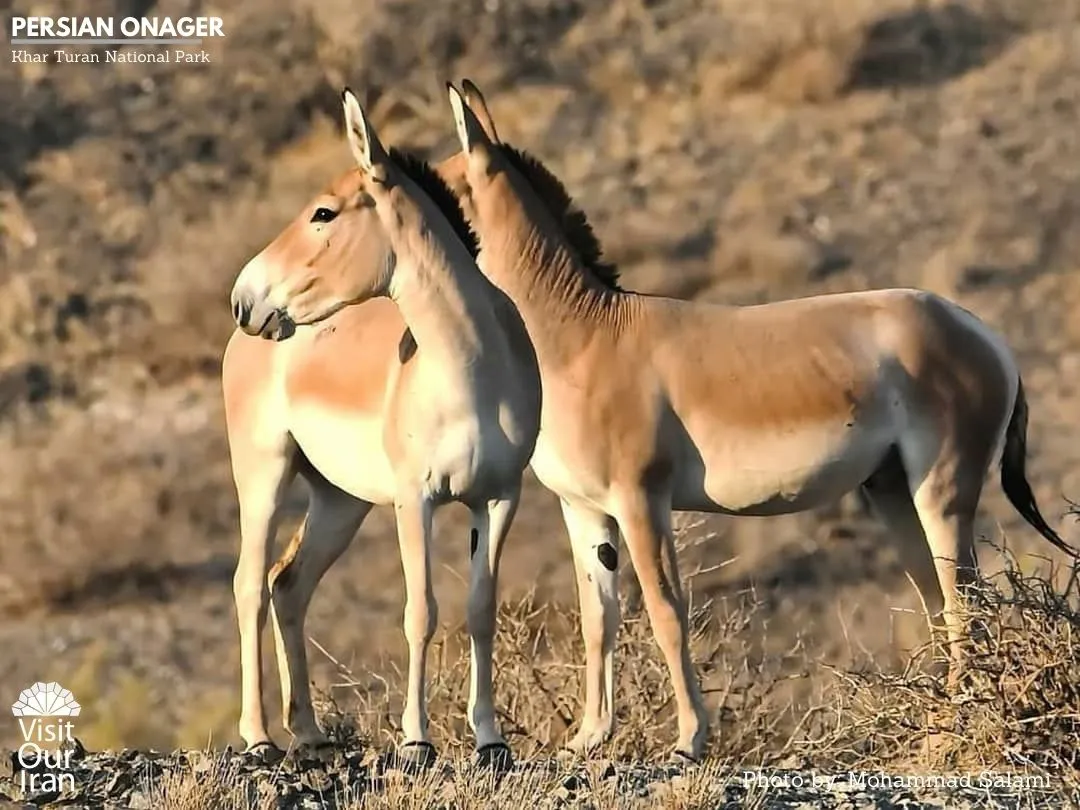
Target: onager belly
{"x": 335, "y": 377}
{"x": 346, "y": 447}
{"x": 780, "y": 473}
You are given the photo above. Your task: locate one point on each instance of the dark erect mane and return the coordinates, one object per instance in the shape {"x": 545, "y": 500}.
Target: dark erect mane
{"x": 575, "y": 226}
{"x": 425, "y": 177}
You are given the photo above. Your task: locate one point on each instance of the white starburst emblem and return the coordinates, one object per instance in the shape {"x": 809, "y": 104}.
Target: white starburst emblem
{"x": 46, "y": 700}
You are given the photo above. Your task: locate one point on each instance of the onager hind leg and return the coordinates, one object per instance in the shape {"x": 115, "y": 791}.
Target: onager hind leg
{"x": 262, "y": 479}
{"x": 331, "y": 523}
{"x": 890, "y": 497}
{"x": 594, "y": 538}
{"x": 945, "y": 499}
{"x": 951, "y": 536}
{"x": 646, "y": 524}
{"x": 490, "y": 525}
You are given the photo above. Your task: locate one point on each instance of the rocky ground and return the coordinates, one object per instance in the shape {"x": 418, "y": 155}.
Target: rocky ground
{"x": 353, "y": 778}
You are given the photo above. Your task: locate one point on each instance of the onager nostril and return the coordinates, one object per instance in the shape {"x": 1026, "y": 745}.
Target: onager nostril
{"x": 241, "y": 312}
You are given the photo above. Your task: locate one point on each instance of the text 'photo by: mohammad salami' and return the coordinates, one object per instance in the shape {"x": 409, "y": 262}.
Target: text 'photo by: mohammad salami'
{"x": 104, "y": 40}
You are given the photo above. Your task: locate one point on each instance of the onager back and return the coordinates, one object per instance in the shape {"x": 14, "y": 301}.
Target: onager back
{"x": 436, "y": 399}
{"x": 653, "y": 404}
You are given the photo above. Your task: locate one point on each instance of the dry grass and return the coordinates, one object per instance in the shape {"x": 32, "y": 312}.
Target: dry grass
{"x": 1017, "y": 707}
{"x": 213, "y": 783}
{"x": 539, "y": 681}
{"x": 1018, "y": 710}
{"x": 210, "y": 783}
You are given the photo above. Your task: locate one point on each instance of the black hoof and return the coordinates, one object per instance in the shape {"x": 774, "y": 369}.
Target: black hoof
{"x": 414, "y": 757}
{"x": 682, "y": 759}
{"x": 264, "y": 753}
{"x": 495, "y": 756}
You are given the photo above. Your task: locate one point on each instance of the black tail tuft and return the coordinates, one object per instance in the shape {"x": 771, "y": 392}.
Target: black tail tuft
{"x": 1014, "y": 478}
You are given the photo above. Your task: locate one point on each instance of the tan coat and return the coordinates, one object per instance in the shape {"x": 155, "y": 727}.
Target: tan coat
{"x": 431, "y": 398}
{"x": 653, "y": 404}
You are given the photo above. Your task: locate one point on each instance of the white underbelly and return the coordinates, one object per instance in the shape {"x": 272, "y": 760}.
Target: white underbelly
{"x": 768, "y": 474}
{"x": 346, "y": 449}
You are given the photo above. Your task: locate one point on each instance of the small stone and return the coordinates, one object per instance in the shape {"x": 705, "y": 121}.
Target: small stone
{"x": 660, "y": 791}
{"x": 316, "y": 779}
{"x": 75, "y": 749}
{"x": 572, "y": 782}
{"x": 608, "y": 771}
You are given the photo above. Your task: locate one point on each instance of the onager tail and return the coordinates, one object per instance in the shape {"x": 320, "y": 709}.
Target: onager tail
{"x": 1014, "y": 478}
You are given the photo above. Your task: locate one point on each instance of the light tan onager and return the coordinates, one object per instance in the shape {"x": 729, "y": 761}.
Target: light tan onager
{"x": 652, "y": 404}
{"x": 444, "y": 410}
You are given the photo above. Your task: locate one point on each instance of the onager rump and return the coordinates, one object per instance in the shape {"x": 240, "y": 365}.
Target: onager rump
{"x": 653, "y": 404}
{"x": 432, "y": 398}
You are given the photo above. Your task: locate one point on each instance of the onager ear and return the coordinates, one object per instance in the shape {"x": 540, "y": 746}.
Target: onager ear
{"x": 469, "y": 130}
{"x": 475, "y": 99}
{"x": 366, "y": 149}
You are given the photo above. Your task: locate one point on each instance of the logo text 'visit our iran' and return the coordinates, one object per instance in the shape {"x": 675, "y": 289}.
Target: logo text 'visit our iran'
{"x": 44, "y": 758}
{"x": 31, "y": 29}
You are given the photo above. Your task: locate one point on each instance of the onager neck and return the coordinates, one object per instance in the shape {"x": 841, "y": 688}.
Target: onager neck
{"x": 436, "y": 284}
{"x": 526, "y": 255}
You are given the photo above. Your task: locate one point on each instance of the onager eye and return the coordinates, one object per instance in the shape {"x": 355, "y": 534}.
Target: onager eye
{"x": 323, "y": 215}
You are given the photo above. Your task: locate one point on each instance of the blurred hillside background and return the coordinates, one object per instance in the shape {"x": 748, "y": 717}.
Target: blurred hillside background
{"x": 730, "y": 150}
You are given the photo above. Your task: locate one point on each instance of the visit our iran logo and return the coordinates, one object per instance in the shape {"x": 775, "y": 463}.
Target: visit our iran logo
{"x": 44, "y": 759}
{"x": 46, "y": 700}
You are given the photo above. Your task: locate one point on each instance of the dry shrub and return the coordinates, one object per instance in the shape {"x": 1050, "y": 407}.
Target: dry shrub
{"x": 211, "y": 783}
{"x": 539, "y": 684}
{"x": 1017, "y": 710}
{"x": 807, "y": 65}
{"x": 822, "y": 56}
{"x": 757, "y": 258}
{"x": 216, "y": 782}
{"x": 467, "y": 788}
{"x": 71, "y": 548}
{"x": 1017, "y": 706}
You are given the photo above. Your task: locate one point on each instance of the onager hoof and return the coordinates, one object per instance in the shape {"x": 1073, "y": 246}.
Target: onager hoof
{"x": 588, "y": 740}
{"x": 682, "y": 759}
{"x": 495, "y": 757}
{"x": 265, "y": 753}
{"x": 414, "y": 757}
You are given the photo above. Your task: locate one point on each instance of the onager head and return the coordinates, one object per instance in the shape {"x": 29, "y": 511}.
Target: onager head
{"x": 339, "y": 250}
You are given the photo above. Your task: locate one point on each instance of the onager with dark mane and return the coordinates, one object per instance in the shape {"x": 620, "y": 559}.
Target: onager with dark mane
{"x": 654, "y": 404}
{"x": 436, "y": 399}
